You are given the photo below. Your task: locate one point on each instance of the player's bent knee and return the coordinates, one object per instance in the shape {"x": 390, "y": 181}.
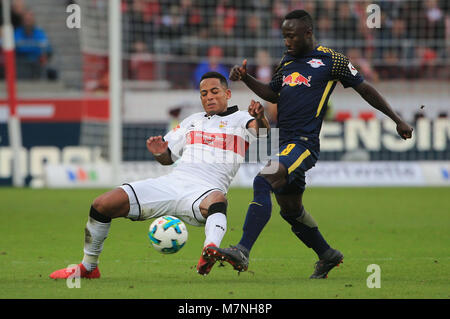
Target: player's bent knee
{"x": 93, "y": 213}
{"x": 99, "y": 205}
{"x": 275, "y": 174}
{"x": 217, "y": 207}
{"x": 112, "y": 204}
{"x": 275, "y": 181}
{"x": 216, "y": 196}
{"x": 208, "y": 204}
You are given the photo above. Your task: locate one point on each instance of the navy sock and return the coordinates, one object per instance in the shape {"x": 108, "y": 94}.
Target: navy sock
{"x": 258, "y": 213}
{"x": 310, "y": 236}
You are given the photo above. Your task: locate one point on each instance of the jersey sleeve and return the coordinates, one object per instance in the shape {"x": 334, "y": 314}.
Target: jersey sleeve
{"x": 276, "y": 82}
{"x": 244, "y": 119}
{"x": 177, "y": 138}
{"x": 277, "y": 78}
{"x": 344, "y": 71}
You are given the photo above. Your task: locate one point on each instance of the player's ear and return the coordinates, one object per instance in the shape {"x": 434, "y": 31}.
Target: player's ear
{"x": 228, "y": 93}
{"x": 309, "y": 33}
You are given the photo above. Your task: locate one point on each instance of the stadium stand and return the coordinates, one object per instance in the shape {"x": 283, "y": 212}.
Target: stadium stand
{"x": 176, "y": 34}
{"x": 165, "y": 40}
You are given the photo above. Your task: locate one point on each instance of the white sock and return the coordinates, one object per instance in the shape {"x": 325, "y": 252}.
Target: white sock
{"x": 215, "y": 228}
{"x": 95, "y": 234}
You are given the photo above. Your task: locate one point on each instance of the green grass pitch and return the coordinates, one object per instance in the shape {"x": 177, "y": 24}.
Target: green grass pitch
{"x": 406, "y": 231}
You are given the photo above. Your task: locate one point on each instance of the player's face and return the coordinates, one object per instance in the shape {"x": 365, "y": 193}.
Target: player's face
{"x": 297, "y": 37}
{"x": 214, "y": 96}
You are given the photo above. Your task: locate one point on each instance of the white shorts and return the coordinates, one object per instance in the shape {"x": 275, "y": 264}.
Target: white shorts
{"x": 171, "y": 194}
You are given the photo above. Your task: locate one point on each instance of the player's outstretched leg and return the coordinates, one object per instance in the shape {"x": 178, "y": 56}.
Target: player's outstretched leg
{"x": 215, "y": 229}
{"x": 258, "y": 215}
{"x": 107, "y": 206}
{"x": 95, "y": 232}
{"x": 306, "y": 229}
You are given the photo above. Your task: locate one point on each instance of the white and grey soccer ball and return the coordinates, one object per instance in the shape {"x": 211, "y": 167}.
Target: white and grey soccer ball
{"x": 167, "y": 234}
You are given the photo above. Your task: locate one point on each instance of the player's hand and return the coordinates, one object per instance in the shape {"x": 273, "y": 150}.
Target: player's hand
{"x": 404, "y": 130}
{"x": 256, "y": 110}
{"x": 239, "y": 72}
{"x": 156, "y": 145}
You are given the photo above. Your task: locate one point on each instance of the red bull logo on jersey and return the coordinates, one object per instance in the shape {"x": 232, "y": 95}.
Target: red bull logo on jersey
{"x": 295, "y": 79}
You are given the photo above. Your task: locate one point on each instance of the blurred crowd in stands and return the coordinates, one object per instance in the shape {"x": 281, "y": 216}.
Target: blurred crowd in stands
{"x": 33, "y": 49}
{"x": 412, "y": 41}
{"x": 169, "y": 39}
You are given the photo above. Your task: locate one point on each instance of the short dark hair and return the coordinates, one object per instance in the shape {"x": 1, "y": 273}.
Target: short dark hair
{"x": 215, "y": 75}
{"x": 301, "y": 15}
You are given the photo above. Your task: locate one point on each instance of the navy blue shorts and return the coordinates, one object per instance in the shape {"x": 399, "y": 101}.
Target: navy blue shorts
{"x": 297, "y": 159}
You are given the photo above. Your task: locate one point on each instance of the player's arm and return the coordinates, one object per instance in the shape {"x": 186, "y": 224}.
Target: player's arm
{"x": 371, "y": 95}
{"x": 256, "y": 110}
{"x": 160, "y": 150}
{"x": 263, "y": 90}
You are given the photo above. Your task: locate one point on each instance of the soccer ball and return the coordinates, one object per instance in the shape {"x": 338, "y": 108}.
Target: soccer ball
{"x": 168, "y": 234}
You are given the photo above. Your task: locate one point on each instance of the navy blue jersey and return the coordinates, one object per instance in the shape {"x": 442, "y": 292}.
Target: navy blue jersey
{"x": 304, "y": 85}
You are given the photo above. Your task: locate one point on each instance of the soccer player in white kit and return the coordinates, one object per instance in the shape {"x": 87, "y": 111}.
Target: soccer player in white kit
{"x": 208, "y": 148}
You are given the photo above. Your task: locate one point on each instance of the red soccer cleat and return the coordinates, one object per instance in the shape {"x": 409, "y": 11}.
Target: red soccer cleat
{"x": 205, "y": 263}
{"x": 72, "y": 272}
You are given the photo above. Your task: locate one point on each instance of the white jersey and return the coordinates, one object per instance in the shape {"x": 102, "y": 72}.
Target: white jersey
{"x": 210, "y": 149}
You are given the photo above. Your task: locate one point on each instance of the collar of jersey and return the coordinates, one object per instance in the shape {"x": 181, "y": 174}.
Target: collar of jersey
{"x": 293, "y": 58}
{"x": 229, "y": 111}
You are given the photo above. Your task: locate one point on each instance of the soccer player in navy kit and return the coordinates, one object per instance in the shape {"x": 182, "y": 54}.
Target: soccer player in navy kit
{"x": 301, "y": 87}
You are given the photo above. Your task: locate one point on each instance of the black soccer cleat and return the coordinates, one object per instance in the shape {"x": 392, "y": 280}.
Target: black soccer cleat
{"x": 330, "y": 259}
{"x": 233, "y": 255}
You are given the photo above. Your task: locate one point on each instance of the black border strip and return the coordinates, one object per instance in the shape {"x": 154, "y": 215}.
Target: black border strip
{"x": 265, "y": 308}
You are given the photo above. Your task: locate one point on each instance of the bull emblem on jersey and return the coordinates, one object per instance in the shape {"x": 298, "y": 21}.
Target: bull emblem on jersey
{"x": 295, "y": 79}
{"x": 316, "y": 63}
